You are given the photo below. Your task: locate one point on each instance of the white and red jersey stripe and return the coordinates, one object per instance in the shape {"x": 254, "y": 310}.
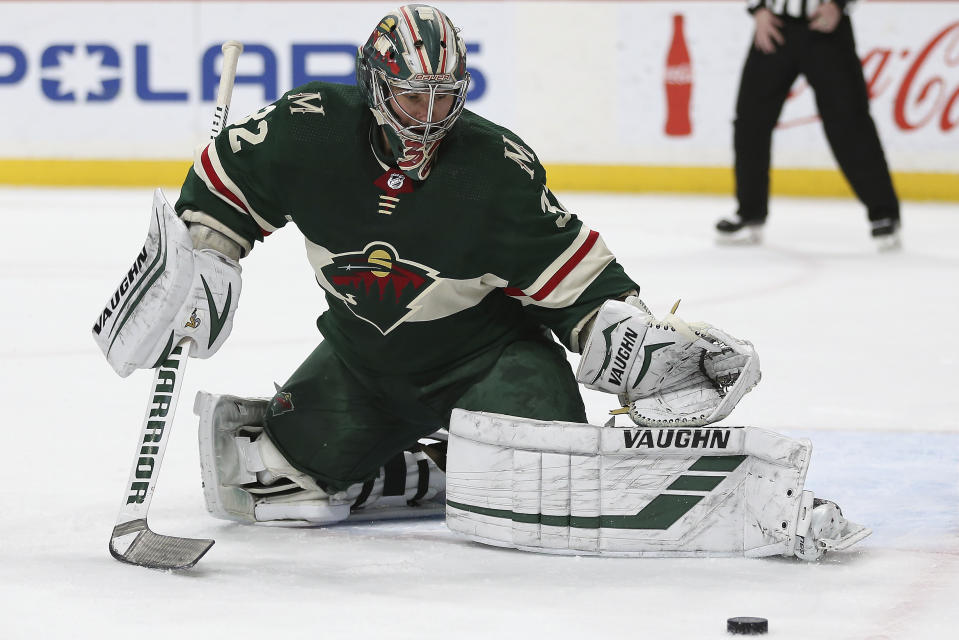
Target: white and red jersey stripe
{"x": 209, "y": 168}
{"x": 565, "y": 279}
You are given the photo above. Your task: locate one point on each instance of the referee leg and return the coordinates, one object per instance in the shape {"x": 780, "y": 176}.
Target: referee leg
{"x": 833, "y": 69}
{"x": 763, "y": 88}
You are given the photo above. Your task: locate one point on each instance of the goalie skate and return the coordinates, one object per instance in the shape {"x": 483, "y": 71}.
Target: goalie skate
{"x": 246, "y": 478}
{"x": 828, "y": 530}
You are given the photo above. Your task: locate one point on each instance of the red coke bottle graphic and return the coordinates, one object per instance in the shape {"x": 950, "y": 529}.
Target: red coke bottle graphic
{"x": 679, "y": 83}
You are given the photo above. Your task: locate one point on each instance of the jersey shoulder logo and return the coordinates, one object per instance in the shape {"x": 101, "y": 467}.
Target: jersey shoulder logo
{"x": 306, "y": 103}
{"x": 379, "y": 286}
{"x": 520, "y": 155}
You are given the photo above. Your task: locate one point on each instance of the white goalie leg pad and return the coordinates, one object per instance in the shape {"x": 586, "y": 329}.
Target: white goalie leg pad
{"x": 172, "y": 291}
{"x": 247, "y": 479}
{"x": 583, "y": 489}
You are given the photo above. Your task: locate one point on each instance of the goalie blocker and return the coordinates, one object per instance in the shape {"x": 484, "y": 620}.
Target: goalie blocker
{"x": 581, "y": 489}
{"x": 172, "y": 291}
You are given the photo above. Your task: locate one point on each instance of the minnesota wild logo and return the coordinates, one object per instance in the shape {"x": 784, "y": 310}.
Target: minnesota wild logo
{"x": 377, "y": 285}
{"x": 282, "y": 402}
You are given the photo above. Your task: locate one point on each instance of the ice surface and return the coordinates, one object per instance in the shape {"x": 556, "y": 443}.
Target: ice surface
{"x": 858, "y": 353}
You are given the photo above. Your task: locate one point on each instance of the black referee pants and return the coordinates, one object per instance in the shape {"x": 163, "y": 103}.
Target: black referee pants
{"x": 832, "y": 68}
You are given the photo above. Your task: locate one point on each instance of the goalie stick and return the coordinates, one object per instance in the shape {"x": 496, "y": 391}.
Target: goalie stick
{"x": 132, "y": 540}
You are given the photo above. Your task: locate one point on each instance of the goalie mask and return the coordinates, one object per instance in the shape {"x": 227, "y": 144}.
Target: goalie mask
{"x": 412, "y": 72}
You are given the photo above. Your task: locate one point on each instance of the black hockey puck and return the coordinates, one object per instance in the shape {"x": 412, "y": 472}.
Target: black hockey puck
{"x": 747, "y": 626}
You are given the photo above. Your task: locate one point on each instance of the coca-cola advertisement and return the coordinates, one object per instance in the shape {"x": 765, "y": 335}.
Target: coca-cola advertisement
{"x": 679, "y": 83}
{"x": 910, "y": 59}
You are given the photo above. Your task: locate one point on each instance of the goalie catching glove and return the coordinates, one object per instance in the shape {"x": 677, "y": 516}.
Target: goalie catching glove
{"x": 173, "y": 291}
{"x": 666, "y": 372}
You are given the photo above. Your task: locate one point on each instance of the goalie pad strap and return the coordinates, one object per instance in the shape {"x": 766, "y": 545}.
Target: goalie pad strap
{"x": 394, "y": 476}
{"x": 423, "y": 482}
{"x": 364, "y": 494}
{"x": 578, "y": 488}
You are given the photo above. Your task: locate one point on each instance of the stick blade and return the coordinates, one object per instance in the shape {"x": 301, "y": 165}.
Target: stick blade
{"x": 134, "y": 543}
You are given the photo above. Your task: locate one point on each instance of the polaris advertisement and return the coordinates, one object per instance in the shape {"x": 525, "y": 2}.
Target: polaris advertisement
{"x": 615, "y": 83}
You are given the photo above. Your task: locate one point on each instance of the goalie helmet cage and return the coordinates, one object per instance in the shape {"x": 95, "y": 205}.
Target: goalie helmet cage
{"x": 132, "y": 541}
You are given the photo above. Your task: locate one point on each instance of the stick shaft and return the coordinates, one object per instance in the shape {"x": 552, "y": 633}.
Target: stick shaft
{"x": 155, "y": 550}
{"x": 224, "y": 94}
{"x": 154, "y": 434}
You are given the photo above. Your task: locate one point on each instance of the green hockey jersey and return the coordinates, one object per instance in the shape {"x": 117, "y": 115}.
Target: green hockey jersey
{"x": 418, "y": 275}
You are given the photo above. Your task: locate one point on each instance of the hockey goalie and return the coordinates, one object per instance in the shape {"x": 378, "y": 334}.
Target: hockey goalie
{"x": 456, "y": 282}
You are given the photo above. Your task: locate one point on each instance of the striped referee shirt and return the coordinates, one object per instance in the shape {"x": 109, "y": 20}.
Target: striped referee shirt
{"x": 791, "y": 8}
